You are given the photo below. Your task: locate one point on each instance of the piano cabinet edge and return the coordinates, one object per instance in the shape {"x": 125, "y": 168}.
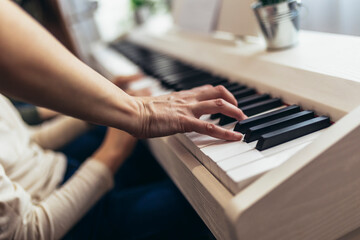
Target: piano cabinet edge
{"x": 204, "y": 192}
{"x": 313, "y": 90}
{"x": 314, "y": 195}
{"x": 230, "y": 216}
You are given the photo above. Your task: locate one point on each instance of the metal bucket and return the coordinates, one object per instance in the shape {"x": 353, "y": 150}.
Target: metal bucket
{"x": 279, "y": 23}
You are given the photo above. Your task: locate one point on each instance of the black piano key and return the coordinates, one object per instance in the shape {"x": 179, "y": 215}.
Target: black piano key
{"x": 236, "y": 88}
{"x": 169, "y": 70}
{"x": 254, "y": 133}
{"x": 194, "y": 81}
{"x": 176, "y": 76}
{"x": 253, "y": 109}
{"x": 252, "y": 99}
{"x": 182, "y": 77}
{"x": 188, "y": 82}
{"x": 262, "y": 106}
{"x": 152, "y": 59}
{"x": 244, "y": 93}
{"x": 283, "y": 135}
{"x": 199, "y": 82}
{"x": 244, "y": 125}
{"x": 230, "y": 85}
{"x": 244, "y": 102}
{"x": 226, "y": 120}
{"x": 179, "y": 77}
{"x": 215, "y": 116}
{"x": 172, "y": 84}
{"x": 162, "y": 71}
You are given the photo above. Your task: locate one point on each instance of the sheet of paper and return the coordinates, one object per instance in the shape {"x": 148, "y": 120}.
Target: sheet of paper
{"x": 198, "y": 15}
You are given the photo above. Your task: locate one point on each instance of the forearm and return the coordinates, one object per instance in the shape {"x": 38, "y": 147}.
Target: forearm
{"x": 70, "y": 203}
{"x": 44, "y": 69}
{"x": 55, "y": 216}
{"x": 55, "y": 133}
{"x": 35, "y": 67}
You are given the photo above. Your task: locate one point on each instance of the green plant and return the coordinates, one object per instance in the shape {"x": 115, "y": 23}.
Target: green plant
{"x": 135, "y": 4}
{"x": 269, "y": 2}
{"x": 153, "y": 5}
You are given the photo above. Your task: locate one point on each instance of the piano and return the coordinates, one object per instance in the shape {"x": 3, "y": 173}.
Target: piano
{"x": 296, "y": 173}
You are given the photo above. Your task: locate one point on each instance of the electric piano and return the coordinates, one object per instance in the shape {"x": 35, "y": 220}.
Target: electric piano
{"x": 296, "y": 174}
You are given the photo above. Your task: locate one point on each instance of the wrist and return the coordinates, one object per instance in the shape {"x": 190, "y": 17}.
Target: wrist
{"x": 138, "y": 116}
{"x": 127, "y": 108}
{"x": 108, "y": 157}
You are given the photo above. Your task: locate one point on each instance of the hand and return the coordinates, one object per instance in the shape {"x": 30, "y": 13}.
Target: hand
{"x": 114, "y": 150}
{"x": 139, "y": 93}
{"x": 46, "y": 113}
{"x": 123, "y": 81}
{"x": 179, "y": 112}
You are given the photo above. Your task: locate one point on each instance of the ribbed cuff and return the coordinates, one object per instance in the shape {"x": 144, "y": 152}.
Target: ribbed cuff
{"x": 69, "y": 203}
{"x": 101, "y": 170}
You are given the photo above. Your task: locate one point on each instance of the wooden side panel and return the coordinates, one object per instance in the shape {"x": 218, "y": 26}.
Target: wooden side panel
{"x": 205, "y": 193}
{"x": 317, "y": 195}
{"x": 354, "y": 235}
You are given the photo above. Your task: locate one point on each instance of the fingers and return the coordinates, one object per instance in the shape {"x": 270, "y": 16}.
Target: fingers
{"x": 122, "y": 81}
{"x": 129, "y": 78}
{"x": 212, "y": 130}
{"x": 139, "y": 93}
{"x": 209, "y": 92}
{"x": 217, "y": 106}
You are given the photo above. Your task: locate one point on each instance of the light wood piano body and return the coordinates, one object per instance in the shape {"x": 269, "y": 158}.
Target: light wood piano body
{"x": 313, "y": 195}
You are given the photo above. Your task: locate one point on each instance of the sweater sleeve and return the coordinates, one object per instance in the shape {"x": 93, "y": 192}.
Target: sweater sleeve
{"x": 54, "y": 216}
{"x": 55, "y": 133}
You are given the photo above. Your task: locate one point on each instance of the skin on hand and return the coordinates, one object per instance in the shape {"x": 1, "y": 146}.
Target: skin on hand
{"x": 46, "y": 113}
{"x": 139, "y": 93}
{"x": 118, "y": 145}
{"x": 180, "y": 112}
{"x": 124, "y": 81}
{"x": 71, "y": 87}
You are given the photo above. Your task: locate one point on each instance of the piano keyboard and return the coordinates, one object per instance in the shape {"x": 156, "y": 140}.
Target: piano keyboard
{"x": 273, "y": 132}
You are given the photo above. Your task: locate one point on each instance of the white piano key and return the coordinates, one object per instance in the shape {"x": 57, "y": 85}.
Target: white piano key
{"x": 220, "y": 151}
{"x": 224, "y": 155}
{"x": 194, "y": 142}
{"x": 206, "y": 117}
{"x": 236, "y": 164}
{"x": 239, "y": 178}
{"x": 197, "y": 142}
{"x": 145, "y": 82}
{"x": 203, "y": 140}
{"x": 271, "y": 110}
{"x": 158, "y": 91}
{"x": 188, "y": 144}
{"x": 188, "y": 140}
{"x": 244, "y": 158}
{"x": 152, "y": 84}
{"x": 113, "y": 61}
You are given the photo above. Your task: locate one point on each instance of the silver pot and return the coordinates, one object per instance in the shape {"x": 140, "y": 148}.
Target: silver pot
{"x": 279, "y": 23}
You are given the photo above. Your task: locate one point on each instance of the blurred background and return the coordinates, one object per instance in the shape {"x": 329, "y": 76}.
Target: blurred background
{"x": 77, "y": 23}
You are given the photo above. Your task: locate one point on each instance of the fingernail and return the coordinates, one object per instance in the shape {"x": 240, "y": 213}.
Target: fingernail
{"x": 242, "y": 117}
{"x": 238, "y": 136}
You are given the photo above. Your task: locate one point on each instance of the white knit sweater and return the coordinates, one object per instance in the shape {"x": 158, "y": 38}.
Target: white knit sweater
{"x": 32, "y": 206}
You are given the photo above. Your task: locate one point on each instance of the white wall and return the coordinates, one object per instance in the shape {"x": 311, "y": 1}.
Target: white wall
{"x": 113, "y": 18}
{"x": 335, "y": 16}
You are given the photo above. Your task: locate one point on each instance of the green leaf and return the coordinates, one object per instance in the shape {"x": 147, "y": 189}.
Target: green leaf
{"x": 139, "y": 3}
{"x": 269, "y": 2}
